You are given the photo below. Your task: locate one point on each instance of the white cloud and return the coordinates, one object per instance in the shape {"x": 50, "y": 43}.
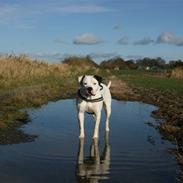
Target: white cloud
{"x": 56, "y": 56}
{"x": 7, "y": 10}
{"x": 117, "y": 27}
{"x": 25, "y": 26}
{"x": 87, "y": 39}
{"x": 134, "y": 57}
{"x": 24, "y": 13}
{"x": 60, "y": 41}
{"x": 144, "y": 41}
{"x": 80, "y": 8}
{"x": 166, "y": 37}
{"x": 49, "y": 56}
{"x": 16, "y": 16}
{"x": 8, "y": 13}
{"x": 169, "y": 38}
{"x": 123, "y": 41}
{"x": 102, "y": 55}
{"x": 179, "y": 41}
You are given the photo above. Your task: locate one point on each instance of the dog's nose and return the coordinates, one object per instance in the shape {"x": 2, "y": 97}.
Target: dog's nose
{"x": 89, "y": 88}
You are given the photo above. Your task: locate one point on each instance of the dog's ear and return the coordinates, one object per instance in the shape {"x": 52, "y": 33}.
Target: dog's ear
{"x": 80, "y": 79}
{"x": 98, "y": 78}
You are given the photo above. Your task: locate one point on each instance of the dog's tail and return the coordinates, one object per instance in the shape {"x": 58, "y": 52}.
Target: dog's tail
{"x": 109, "y": 84}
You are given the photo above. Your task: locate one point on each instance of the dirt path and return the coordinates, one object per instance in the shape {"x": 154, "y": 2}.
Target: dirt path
{"x": 120, "y": 90}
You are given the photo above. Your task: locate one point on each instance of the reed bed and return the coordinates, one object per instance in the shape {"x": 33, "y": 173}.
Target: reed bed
{"x": 16, "y": 70}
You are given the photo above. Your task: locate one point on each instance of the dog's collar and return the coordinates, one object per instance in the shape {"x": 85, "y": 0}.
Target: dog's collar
{"x": 90, "y": 100}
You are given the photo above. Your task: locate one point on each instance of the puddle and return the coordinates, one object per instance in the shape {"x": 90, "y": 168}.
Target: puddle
{"x": 133, "y": 152}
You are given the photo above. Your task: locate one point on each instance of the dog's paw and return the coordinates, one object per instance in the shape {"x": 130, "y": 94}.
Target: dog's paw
{"x": 107, "y": 129}
{"x": 95, "y": 137}
{"x": 82, "y": 136}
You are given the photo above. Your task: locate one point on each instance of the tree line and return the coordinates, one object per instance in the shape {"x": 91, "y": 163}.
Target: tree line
{"x": 144, "y": 63}
{"x": 119, "y": 63}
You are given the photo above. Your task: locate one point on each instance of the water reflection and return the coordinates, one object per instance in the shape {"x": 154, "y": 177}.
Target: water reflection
{"x": 95, "y": 167}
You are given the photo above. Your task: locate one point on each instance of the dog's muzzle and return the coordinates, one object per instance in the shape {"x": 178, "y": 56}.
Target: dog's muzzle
{"x": 89, "y": 91}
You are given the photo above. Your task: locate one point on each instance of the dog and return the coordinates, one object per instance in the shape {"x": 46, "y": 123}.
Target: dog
{"x": 92, "y": 96}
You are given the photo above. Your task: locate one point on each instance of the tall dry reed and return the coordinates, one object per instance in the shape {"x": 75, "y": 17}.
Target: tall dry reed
{"x": 14, "y": 69}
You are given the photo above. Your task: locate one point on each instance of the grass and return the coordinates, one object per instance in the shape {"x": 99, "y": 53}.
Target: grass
{"x": 148, "y": 80}
{"x": 21, "y": 71}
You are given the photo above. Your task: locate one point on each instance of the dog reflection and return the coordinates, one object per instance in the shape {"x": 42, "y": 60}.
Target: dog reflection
{"x": 95, "y": 167}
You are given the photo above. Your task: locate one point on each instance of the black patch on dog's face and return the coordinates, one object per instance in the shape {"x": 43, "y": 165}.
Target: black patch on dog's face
{"x": 81, "y": 82}
{"x": 98, "y": 78}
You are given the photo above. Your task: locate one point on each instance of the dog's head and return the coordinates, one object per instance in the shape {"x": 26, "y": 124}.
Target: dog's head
{"x": 90, "y": 84}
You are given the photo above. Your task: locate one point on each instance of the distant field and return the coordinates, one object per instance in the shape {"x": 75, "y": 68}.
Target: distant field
{"x": 147, "y": 79}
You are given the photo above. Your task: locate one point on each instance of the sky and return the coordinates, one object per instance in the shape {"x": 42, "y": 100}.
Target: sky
{"x": 102, "y": 29}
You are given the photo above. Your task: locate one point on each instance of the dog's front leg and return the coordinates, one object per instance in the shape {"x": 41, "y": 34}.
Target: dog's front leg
{"x": 97, "y": 123}
{"x": 81, "y": 124}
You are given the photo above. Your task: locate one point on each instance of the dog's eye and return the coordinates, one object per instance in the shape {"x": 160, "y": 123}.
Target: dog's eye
{"x": 85, "y": 83}
{"x": 94, "y": 83}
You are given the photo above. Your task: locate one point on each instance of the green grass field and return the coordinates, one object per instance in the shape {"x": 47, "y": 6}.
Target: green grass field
{"x": 147, "y": 79}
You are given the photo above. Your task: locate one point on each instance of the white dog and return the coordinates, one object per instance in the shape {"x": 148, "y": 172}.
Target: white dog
{"x": 91, "y": 97}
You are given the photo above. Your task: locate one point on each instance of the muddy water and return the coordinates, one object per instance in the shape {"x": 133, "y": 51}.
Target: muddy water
{"x": 133, "y": 152}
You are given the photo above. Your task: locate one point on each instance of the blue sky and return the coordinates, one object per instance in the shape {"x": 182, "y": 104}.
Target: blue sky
{"x": 55, "y": 29}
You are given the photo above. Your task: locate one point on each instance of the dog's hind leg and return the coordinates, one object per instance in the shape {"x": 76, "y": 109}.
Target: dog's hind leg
{"x": 107, "y": 108}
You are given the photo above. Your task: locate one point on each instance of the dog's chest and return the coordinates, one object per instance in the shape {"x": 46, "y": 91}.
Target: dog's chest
{"x": 90, "y": 107}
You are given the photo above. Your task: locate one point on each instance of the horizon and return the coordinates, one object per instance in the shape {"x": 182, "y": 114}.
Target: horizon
{"x": 91, "y": 59}
{"x": 52, "y": 30}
